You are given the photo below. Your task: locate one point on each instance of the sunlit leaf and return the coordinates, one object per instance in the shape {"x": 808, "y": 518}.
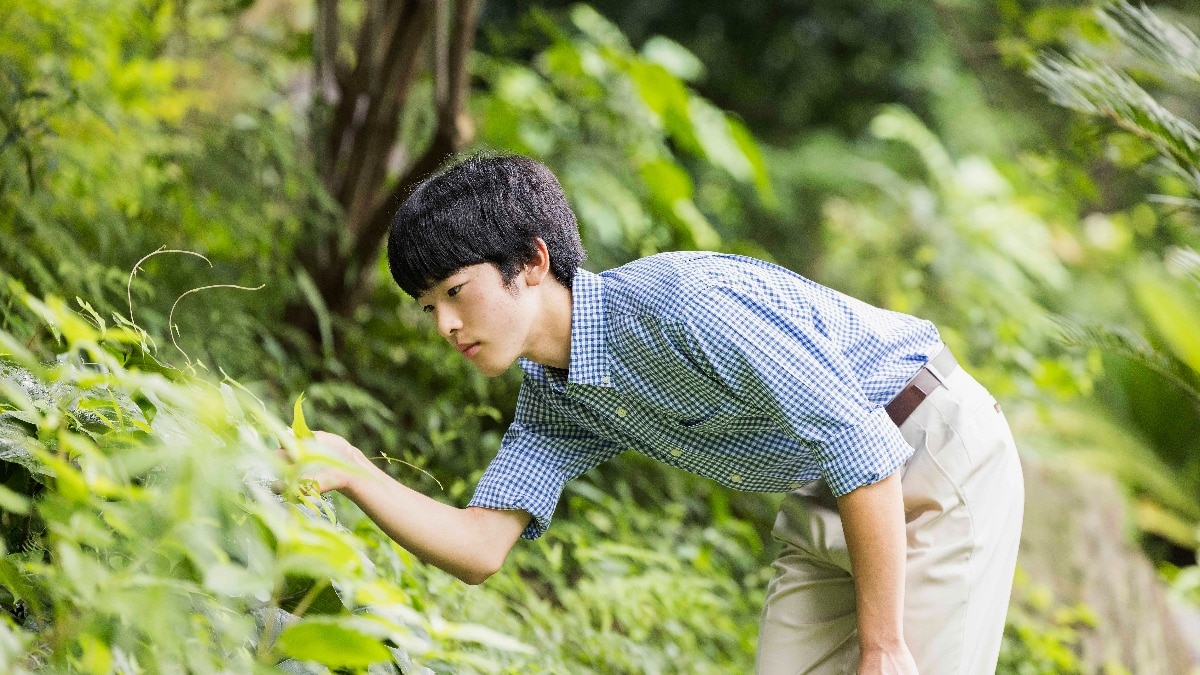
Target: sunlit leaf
{"x": 13, "y": 502}
{"x": 1153, "y": 518}
{"x": 674, "y": 57}
{"x": 299, "y": 426}
{"x": 331, "y": 642}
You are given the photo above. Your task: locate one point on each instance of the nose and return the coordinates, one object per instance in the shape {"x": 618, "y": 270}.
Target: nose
{"x": 448, "y": 321}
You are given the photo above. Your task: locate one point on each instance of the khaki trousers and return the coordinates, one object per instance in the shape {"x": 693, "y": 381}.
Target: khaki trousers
{"x": 963, "y": 504}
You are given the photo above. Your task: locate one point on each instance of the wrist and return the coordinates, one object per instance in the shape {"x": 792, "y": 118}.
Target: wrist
{"x": 361, "y": 472}
{"x": 895, "y": 660}
{"x": 880, "y": 641}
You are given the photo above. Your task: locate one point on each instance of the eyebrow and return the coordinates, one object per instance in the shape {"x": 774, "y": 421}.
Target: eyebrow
{"x": 433, "y": 289}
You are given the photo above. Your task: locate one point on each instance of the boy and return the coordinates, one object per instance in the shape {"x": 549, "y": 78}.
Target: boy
{"x": 904, "y": 493}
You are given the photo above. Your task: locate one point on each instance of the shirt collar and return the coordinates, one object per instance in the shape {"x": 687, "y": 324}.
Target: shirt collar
{"x": 589, "y": 338}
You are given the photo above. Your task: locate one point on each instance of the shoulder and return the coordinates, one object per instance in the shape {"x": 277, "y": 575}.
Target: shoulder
{"x": 679, "y": 280}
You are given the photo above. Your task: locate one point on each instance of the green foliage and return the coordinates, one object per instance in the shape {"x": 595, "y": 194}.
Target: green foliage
{"x": 1155, "y": 50}
{"x": 93, "y": 114}
{"x": 962, "y": 247}
{"x": 154, "y": 519}
{"x": 1185, "y": 583}
{"x": 616, "y": 589}
{"x": 622, "y": 130}
{"x": 132, "y": 125}
{"x": 140, "y": 530}
{"x": 237, "y": 565}
{"x": 1042, "y": 636}
{"x": 1092, "y": 86}
{"x": 154, "y": 537}
{"x": 1106, "y": 85}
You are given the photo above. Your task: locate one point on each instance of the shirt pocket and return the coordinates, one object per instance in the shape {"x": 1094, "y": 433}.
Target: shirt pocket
{"x": 727, "y": 417}
{"x": 715, "y": 417}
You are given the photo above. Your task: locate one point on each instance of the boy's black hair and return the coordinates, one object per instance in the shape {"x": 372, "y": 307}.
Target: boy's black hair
{"x": 482, "y": 208}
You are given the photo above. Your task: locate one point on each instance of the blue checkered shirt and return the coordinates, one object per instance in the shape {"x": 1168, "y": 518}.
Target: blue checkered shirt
{"x": 722, "y": 365}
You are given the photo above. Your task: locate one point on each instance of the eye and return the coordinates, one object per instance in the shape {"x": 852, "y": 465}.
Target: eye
{"x": 454, "y": 291}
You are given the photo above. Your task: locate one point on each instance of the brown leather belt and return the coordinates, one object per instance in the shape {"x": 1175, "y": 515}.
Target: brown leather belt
{"x": 920, "y": 386}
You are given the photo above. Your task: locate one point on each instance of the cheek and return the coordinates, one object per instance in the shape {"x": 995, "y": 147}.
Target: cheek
{"x": 490, "y": 323}
{"x": 505, "y": 327}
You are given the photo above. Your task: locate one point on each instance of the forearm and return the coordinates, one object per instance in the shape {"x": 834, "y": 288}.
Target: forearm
{"x": 469, "y": 543}
{"x": 873, "y": 522}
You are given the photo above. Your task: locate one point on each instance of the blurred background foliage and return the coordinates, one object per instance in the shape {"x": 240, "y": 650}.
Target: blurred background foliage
{"x": 900, "y": 152}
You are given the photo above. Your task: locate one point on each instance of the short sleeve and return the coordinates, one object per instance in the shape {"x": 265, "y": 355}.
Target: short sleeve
{"x": 542, "y": 450}
{"x": 773, "y": 355}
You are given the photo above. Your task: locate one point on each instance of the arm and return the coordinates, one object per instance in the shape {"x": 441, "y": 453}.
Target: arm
{"x": 469, "y": 543}
{"x": 873, "y": 522}
{"x": 771, "y": 350}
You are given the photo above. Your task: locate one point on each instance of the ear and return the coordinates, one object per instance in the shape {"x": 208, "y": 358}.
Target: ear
{"x": 537, "y": 269}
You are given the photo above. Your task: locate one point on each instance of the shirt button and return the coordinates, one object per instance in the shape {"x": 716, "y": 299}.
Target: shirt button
{"x": 605, "y": 380}
{"x": 735, "y": 478}
{"x": 676, "y": 452}
{"x": 621, "y": 412}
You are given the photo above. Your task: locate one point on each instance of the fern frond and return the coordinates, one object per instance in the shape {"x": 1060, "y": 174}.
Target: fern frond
{"x": 1184, "y": 262}
{"x": 1154, "y": 38}
{"x": 1188, "y": 175}
{"x": 1120, "y": 341}
{"x": 1090, "y": 86}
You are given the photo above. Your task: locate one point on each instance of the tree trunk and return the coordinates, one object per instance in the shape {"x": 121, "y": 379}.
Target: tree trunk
{"x": 356, "y": 146}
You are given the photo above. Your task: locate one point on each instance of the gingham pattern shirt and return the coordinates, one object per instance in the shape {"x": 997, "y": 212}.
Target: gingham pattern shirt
{"x": 722, "y": 365}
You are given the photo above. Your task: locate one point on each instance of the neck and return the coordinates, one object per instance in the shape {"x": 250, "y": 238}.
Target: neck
{"x": 550, "y": 343}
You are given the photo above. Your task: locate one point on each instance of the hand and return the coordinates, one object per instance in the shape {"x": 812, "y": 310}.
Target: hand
{"x": 329, "y": 476}
{"x": 891, "y": 661}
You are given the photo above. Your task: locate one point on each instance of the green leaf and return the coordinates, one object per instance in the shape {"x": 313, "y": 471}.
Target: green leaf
{"x": 1185, "y": 262}
{"x": 299, "y": 426}
{"x": 69, "y": 481}
{"x": 667, "y": 97}
{"x": 317, "y": 303}
{"x": 674, "y": 57}
{"x": 1158, "y": 40}
{"x": 97, "y": 657}
{"x": 317, "y": 552}
{"x": 668, "y": 182}
{"x": 314, "y": 596}
{"x": 1174, "y": 314}
{"x": 484, "y": 636}
{"x": 13, "y": 502}
{"x": 1153, "y": 518}
{"x": 12, "y": 579}
{"x": 749, "y": 147}
{"x": 700, "y": 232}
{"x": 721, "y": 148}
{"x": 332, "y": 643}
{"x": 602, "y": 31}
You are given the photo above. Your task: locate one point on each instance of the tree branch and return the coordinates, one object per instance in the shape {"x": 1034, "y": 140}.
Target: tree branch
{"x": 390, "y": 87}
{"x": 325, "y": 77}
{"x": 391, "y": 48}
{"x": 460, "y": 57}
{"x": 454, "y": 130}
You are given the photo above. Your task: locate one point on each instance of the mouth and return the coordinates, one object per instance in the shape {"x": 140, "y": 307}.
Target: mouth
{"x": 468, "y": 349}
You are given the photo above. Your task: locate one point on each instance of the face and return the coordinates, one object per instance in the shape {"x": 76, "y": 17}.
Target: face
{"x": 485, "y": 320}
